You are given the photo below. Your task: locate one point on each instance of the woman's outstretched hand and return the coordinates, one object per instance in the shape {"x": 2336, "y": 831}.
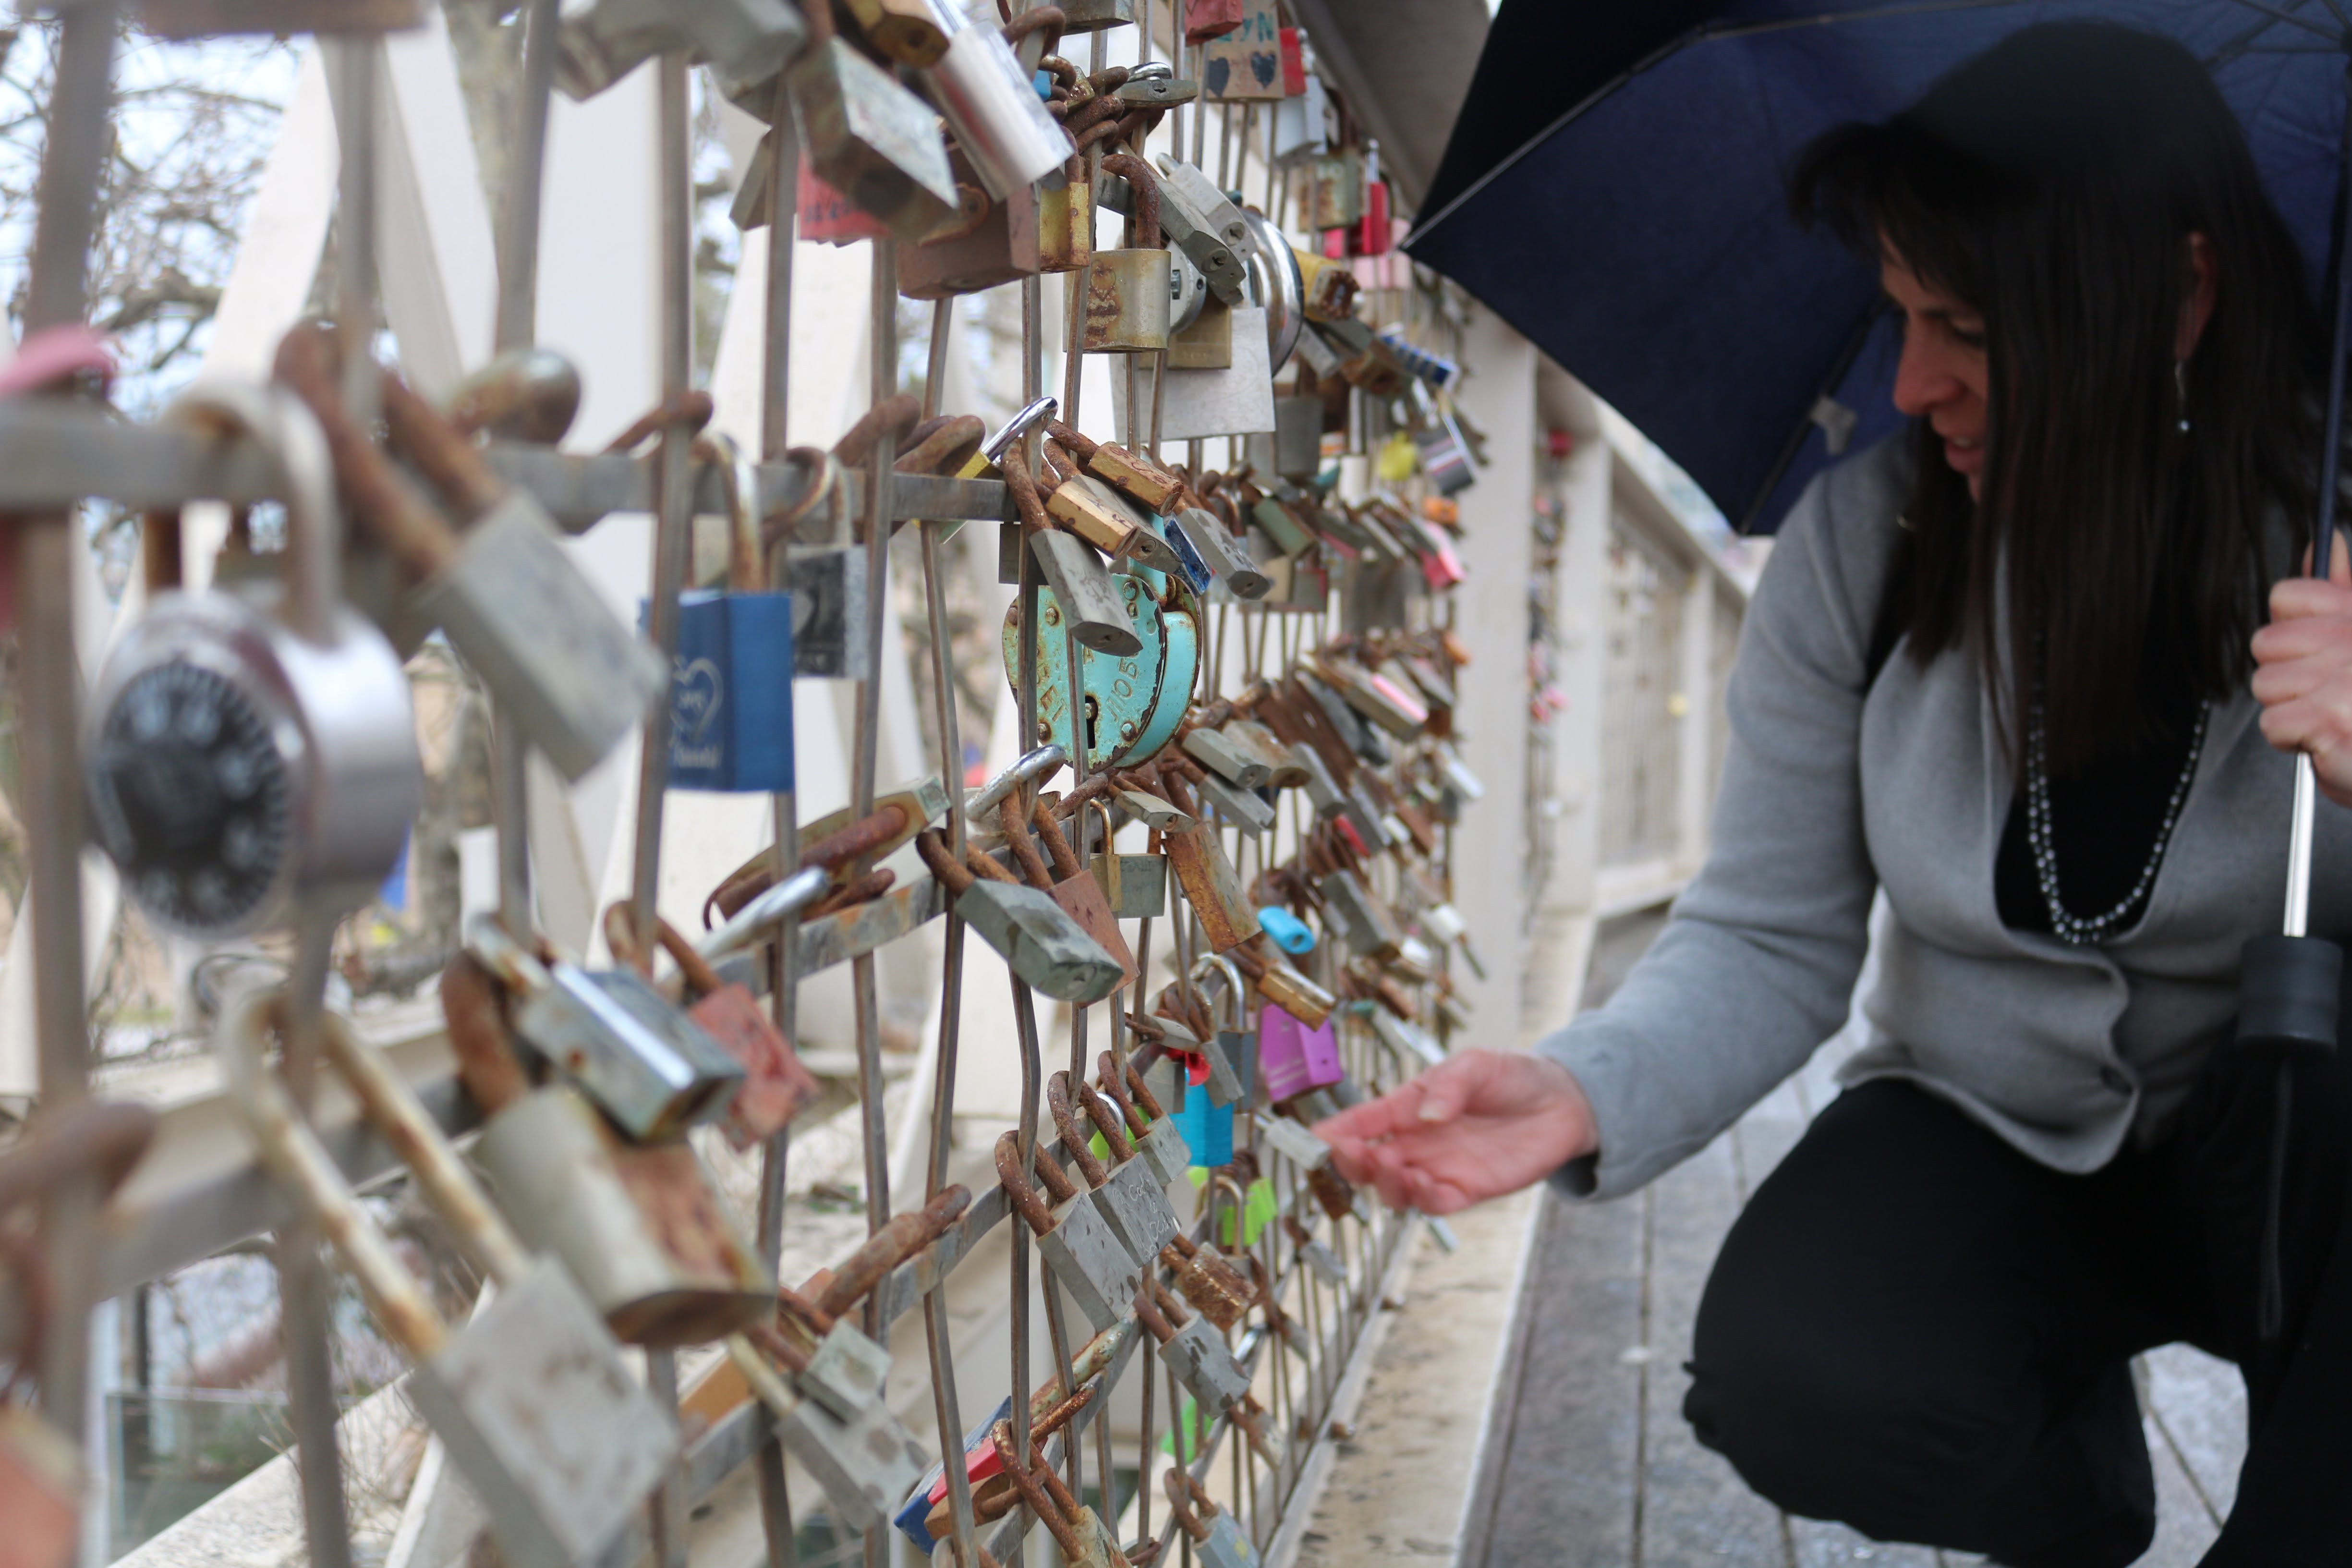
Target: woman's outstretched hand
{"x": 1478, "y": 1125}
{"x": 2304, "y": 674}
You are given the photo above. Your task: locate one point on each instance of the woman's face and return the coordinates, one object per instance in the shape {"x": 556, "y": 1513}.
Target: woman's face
{"x": 1942, "y": 377}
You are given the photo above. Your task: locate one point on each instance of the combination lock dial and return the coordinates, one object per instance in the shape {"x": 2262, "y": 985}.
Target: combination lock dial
{"x": 190, "y": 795}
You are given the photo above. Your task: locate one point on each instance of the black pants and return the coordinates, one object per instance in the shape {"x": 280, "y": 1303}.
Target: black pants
{"x": 1917, "y": 1331}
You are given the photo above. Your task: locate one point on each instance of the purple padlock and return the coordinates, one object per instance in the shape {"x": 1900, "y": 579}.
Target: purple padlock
{"x": 1293, "y": 1057}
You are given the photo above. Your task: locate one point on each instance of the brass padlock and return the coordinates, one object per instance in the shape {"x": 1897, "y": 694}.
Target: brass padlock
{"x": 1031, "y": 231}
{"x": 1135, "y": 886}
{"x": 1217, "y": 1290}
{"x": 1085, "y": 1255}
{"x": 1126, "y": 294}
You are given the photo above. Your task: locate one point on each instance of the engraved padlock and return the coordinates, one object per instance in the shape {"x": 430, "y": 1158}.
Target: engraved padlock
{"x": 1139, "y": 1214}
{"x": 639, "y": 1226}
{"x": 1087, "y": 1257}
{"x": 1129, "y": 705}
{"x": 523, "y": 612}
{"x": 551, "y": 1432}
{"x": 650, "y": 1068}
{"x": 1148, "y": 1194}
{"x": 1124, "y": 294}
{"x": 252, "y": 753}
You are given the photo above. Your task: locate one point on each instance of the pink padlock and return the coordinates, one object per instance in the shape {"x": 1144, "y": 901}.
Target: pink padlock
{"x": 1293, "y": 1057}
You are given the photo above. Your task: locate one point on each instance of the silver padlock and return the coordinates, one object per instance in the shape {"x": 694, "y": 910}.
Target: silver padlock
{"x": 1320, "y": 1261}
{"x": 867, "y": 1464}
{"x": 1232, "y": 1055}
{"x": 1361, "y": 916}
{"x": 1083, "y": 591}
{"x": 1147, "y": 1195}
{"x": 1215, "y": 750}
{"x": 560, "y": 1444}
{"x": 1204, "y": 224}
{"x": 253, "y": 754}
{"x": 742, "y": 41}
{"x": 1227, "y": 559}
{"x": 575, "y": 678}
{"x": 651, "y": 1069}
{"x": 1293, "y": 1142}
{"x": 1136, "y": 1209}
{"x": 1323, "y": 791}
{"x": 1088, "y": 1258}
{"x": 1217, "y": 1539}
{"x": 1193, "y": 1350}
{"x": 1409, "y": 1041}
{"x": 1154, "y": 1132}
{"x": 998, "y": 119}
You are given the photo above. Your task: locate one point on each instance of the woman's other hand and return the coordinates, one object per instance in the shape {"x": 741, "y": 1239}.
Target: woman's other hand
{"x": 1478, "y": 1125}
{"x": 2304, "y": 674}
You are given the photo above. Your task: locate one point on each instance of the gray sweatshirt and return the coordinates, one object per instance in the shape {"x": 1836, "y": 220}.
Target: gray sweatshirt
{"x": 1833, "y": 788}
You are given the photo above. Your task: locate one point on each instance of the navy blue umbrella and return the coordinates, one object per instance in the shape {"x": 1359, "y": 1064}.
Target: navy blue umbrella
{"x": 1613, "y": 189}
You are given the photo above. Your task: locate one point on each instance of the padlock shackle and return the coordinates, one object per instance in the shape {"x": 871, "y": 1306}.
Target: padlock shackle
{"x": 1169, "y": 1307}
{"x": 391, "y": 1107}
{"x": 1151, "y": 1317}
{"x": 895, "y": 416}
{"x": 950, "y": 872}
{"x": 1080, "y": 445}
{"x": 622, "y": 940}
{"x": 1066, "y": 863}
{"x": 1178, "y": 1483}
{"x": 691, "y": 408}
{"x": 1144, "y": 184}
{"x": 1022, "y": 482}
{"x": 1055, "y": 1180}
{"x": 1114, "y": 1083}
{"x": 747, "y": 555}
{"x": 1017, "y": 1190}
{"x": 276, "y": 419}
{"x": 1031, "y": 416}
{"x": 1040, "y": 1502}
{"x": 1074, "y": 1135}
{"x": 486, "y": 1064}
{"x": 1106, "y": 1121}
{"x": 984, "y": 867}
{"x": 294, "y": 1156}
{"x": 1236, "y": 987}
{"x": 1142, "y": 1093}
{"x": 1036, "y": 767}
{"x": 887, "y": 1248}
{"x": 775, "y": 906}
{"x": 1017, "y": 837}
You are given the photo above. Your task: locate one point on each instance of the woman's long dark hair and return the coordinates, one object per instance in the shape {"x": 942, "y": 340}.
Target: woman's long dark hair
{"x": 2051, "y": 183}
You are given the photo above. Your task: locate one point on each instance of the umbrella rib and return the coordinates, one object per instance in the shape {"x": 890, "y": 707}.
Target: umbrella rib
{"x": 1796, "y": 442}
{"x": 2306, "y": 23}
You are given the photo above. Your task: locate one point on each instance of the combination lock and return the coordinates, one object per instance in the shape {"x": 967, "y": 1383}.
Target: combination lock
{"x": 253, "y": 752}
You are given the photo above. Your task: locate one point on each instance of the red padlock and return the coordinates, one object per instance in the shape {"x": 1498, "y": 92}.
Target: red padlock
{"x": 1294, "y": 64}
{"x": 1206, "y": 19}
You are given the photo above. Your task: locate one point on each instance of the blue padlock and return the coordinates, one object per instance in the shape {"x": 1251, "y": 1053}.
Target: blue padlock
{"x": 1289, "y": 932}
{"x": 1207, "y": 1128}
{"x": 731, "y": 710}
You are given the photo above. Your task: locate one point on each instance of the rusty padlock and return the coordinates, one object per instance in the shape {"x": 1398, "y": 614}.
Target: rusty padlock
{"x": 1210, "y": 885}
{"x": 1071, "y": 885}
{"x": 1088, "y": 1258}
{"x": 776, "y": 1086}
{"x": 1216, "y": 1290}
{"x": 1038, "y": 941}
{"x": 869, "y": 138}
{"x": 639, "y": 1226}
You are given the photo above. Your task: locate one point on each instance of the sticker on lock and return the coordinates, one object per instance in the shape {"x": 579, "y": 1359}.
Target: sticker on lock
{"x": 1130, "y": 706}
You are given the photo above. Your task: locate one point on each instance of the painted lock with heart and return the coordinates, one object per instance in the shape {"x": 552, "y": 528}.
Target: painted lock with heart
{"x": 730, "y": 695}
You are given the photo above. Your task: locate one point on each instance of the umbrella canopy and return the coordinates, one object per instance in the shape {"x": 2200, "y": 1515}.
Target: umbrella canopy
{"x": 1614, "y": 190}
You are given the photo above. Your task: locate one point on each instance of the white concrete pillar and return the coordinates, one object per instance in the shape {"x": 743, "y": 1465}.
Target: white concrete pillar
{"x": 1694, "y": 721}
{"x": 1491, "y": 712}
{"x": 1581, "y": 584}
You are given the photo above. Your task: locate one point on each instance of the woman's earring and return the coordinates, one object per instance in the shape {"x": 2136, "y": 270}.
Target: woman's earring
{"x": 2180, "y": 385}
